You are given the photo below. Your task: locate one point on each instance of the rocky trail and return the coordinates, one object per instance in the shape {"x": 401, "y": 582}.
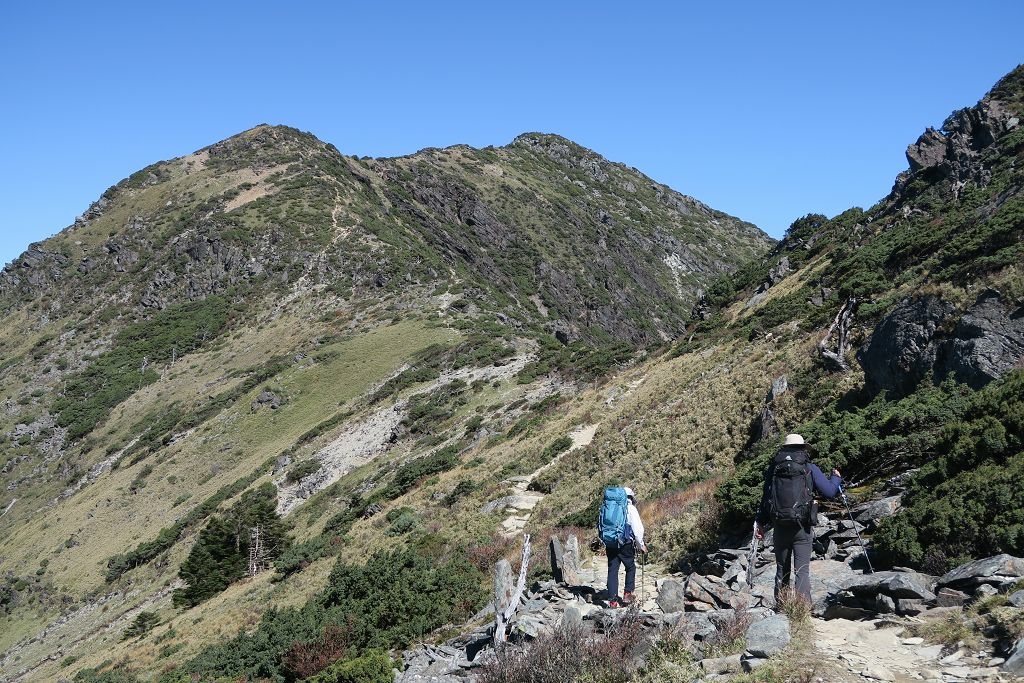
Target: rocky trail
{"x": 519, "y": 504}
{"x": 860, "y": 628}
{"x": 882, "y": 650}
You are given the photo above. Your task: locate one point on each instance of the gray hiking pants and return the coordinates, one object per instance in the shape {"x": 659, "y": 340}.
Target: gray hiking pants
{"x": 793, "y": 547}
{"x": 626, "y": 555}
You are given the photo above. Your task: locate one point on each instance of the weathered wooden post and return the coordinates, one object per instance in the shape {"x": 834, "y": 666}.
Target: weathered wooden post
{"x": 506, "y": 597}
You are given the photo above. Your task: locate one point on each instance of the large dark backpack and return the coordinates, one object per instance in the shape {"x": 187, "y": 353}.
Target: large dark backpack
{"x": 612, "y": 522}
{"x": 792, "y": 489}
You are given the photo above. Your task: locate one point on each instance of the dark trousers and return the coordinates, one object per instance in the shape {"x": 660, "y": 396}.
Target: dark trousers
{"x": 626, "y": 555}
{"x": 793, "y": 549}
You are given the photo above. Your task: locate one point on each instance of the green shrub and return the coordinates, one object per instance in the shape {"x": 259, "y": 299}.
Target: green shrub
{"x": 413, "y": 471}
{"x": 964, "y": 502}
{"x": 556, "y": 447}
{"x": 301, "y": 470}
{"x": 464, "y": 487}
{"x": 392, "y": 600}
{"x": 428, "y": 410}
{"x": 92, "y": 393}
{"x": 144, "y": 623}
{"x": 299, "y": 555}
{"x": 372, "y": 667}
{"x": 145, "y": 552}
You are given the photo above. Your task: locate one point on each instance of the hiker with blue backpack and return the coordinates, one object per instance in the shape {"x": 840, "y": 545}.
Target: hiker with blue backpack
{"x": 788, "y": 506}
{"x": 622, "y": 531}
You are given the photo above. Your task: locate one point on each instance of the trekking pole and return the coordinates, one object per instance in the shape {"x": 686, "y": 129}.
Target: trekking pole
{"x": 643, "y": 562}
{"x": 842, "y": 494}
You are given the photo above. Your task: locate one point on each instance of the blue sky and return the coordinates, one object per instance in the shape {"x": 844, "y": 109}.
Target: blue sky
{"x": 765, "y": 110}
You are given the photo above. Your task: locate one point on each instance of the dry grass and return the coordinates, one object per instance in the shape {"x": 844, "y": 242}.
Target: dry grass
{"x": 658, "y": 511}
{"x": 570, "y": 654}
{"x": 682, "y": 521}
{"x": 731, "y": 637}
{"x": 797, "y": 608}
{"x": 948, "y": 631}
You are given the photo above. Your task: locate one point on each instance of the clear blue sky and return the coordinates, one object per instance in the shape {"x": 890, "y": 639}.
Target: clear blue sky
{"x": 765, "y": 110}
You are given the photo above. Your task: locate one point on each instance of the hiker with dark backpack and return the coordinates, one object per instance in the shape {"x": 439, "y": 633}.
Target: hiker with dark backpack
{"x": 622, "y": 531}
{"x": 788, "y": 506}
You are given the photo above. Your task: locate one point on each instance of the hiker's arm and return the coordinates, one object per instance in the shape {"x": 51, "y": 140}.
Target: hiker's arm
{"x": 827, "y": 487}
{"x": 637, "y": 525}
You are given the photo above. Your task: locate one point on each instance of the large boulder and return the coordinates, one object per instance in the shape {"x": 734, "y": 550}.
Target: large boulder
{"x": 1014, "y": 664}
{"x": 672, "y": 596}
{"x": 696, "y": 623}
{"x": 955, "y": 151}
{"x": 704, "y": 589}
{"x": 768, "y": 636}
{"x": 900, "y": 352}
{"x": 893, "y": 584}
{"x": 909, "y": 345}
{"x": 988, "y": 341}
{"x": 929, "y": 150}
{"x": 828, "y": 578}
{"x": 998, "y": 570}
{"x": 871, "y": 512}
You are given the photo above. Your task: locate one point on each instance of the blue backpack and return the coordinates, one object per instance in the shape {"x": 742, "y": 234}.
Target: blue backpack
{"x": 611, "y": 523}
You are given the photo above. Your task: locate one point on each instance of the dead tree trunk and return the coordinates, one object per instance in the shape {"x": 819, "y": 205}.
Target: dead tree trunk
{"x": 507, "y": 597}
{"x": 836, "y": 360}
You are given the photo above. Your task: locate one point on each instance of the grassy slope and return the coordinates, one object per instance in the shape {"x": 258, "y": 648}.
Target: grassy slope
{"x": 109, "y": 520}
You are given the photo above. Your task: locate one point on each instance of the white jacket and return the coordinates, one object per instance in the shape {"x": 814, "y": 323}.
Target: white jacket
{"x": 635, "y": 523}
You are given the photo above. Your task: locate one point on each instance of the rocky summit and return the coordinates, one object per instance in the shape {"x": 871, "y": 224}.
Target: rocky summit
{"x": 272, "y": 412}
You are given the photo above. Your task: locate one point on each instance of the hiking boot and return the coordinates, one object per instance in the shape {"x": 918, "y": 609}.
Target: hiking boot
{"x": 614, "y": 604}
{"x": 628, "y": 598}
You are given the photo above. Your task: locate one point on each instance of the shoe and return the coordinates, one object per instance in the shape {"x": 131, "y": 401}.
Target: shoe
{"x": 614, "y": 604}
{"x": 628, "y": 598}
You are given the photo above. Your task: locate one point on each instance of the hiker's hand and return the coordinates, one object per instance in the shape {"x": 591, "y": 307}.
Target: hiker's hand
{"x": 835, "y": 473}
{"x": 758, "y": 531}
{"x": 643, "y": 548}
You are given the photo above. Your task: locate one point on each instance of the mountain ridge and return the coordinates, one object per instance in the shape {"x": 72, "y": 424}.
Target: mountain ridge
{"x": 253, "y": 152}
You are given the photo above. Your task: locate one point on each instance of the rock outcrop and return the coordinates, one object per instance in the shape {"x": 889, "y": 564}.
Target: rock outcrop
{"x": 901, "y": 351}
{"x": 987, "y": 342}
{"x": 923, "y": 337}
{"x": 954, "y": 151}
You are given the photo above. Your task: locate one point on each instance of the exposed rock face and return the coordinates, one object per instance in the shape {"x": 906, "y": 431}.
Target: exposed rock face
{"x": 871, "y": 512}
{"x": 928, "y": 151}
{"x": 893, "y": 584}
{"x": 909, "y": 344}
{"x": 1015, "y": 663}
{"x": 988, "y": 341}
{"x": 768, "y": 636}
{"x": 36, "y": 267}
{"x": 768, "y": 426}
{"x": 266, "y": 398}
{"x": 776, "y": 274}
{"x": 900, "y": 352}
{"x": 614, "y": 242}
{"x": 953, "y": 152}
